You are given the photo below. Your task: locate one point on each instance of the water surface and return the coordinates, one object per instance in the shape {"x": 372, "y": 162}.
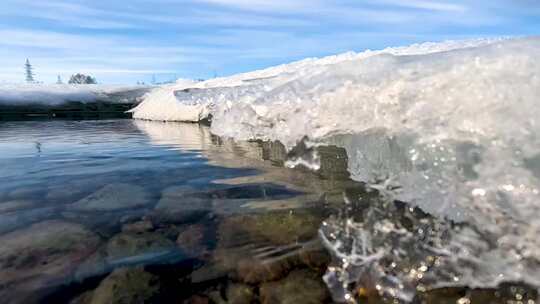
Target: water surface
{"x": 124, "y": 211}
{"x": 79, "y": 199}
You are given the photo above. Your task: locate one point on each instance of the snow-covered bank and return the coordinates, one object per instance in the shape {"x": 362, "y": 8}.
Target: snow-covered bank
{"x": 57, "y": 94}
{"x": 194, "y": 101}
{"x": 451, "y": 127}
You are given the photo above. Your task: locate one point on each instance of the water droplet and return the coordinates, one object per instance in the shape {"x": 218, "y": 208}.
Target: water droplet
{"x": 479, "y": 192}
{"x": 463, "y": 301}
{"x": 508, "y": 188}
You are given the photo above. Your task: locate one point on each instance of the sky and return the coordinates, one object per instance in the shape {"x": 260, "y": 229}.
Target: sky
{"x": 126, "y": 41}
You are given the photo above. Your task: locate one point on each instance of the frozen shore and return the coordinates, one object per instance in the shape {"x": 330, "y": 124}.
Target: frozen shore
{"x": 39, "y": 101}
{"x": 57, "y": 94}
{"x": 450, "y": 127}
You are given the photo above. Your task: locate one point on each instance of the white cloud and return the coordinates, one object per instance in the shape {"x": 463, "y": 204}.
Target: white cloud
{"x": 266, "y": 5}
{"x": 196, "y": 36}
{"x": 72, "y": 14}
{"x": 426, "y": 5}
{"x": 46, "y": 39}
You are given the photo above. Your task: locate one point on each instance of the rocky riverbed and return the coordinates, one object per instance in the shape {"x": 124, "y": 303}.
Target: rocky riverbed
{"x": 124, "y": 212}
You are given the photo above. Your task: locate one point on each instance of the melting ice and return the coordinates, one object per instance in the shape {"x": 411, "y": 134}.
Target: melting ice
{"x": 451, "y": 128}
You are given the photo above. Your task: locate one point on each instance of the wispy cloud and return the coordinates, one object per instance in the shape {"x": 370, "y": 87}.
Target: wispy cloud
{"x": 49, "y": 39}
{"x": 124, "y": 41}
{"x": 267, "y": 5}
{"x": 72, "y": 14}
{"x": 426, "y": 5}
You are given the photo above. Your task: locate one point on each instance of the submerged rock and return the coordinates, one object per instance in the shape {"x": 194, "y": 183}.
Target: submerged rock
{"x": 301, "y": 286}
{"x": 197, "y": 299}
{"x": 191, "y": 240}
{"x": 132, "y": 248}
{"x": 234, "y": 293}
{"x": 266, "y": 264}
{"x": 279, "y": 228}
{"x": 138, "y": 227}
{"x": 255, "y": 270}
{"x": 27, "y": 192}
{"x": 15, "y": 205}
{"x": 66, "y": 194}
{"x": 178, "y": 205}
{"x": 40, "y": 258}
{"x": 22, "y": 218}
{"x": 126, "y": 286}
{"x": 240, "y": 294}
{"x": 315, "y": 256}
{"x": 113, "y": 197}
{"x": 266, "y": 247}
{"x": 84, "y": 298}
{"x": 504, "y": 294}
{"x": 209, "y": 272}
{"x": 106, "y": 224}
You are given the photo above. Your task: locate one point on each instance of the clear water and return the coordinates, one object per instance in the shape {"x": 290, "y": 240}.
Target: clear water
{"x": 126, "y": 211}
{"x": 81, "y": 199}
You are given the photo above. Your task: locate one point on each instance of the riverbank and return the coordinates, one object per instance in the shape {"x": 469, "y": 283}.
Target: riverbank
{"x": 38, "y": 102}
{"x": 450, "y": 128}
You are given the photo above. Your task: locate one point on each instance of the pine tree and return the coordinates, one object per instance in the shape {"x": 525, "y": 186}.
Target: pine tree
{"x": 29, "y": 71}
{"x": 59, "y": 80}
{"x": 82, "y": 79}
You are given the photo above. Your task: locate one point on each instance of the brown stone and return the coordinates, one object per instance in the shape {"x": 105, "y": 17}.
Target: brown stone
{"x": 315, "y": 256}
{"x": 300, "y": 286}
{"x": 191, "y": 240}
{"x": 15, "y": 205}
{"x": 127, "y": 286}
{"x": 275, "y": 244}
{"x": 252, "y": 270}
{"x": 127, "y": 246}
{"x": 279, "y": 228}
{"x": 113, "y": 197}
{"x": 41, "y": 257}
{"x": 240, "y": 294}
{"x": 196, "y": 299}
{"x": 84, "y": 298}
{"x": 138, "y": 227}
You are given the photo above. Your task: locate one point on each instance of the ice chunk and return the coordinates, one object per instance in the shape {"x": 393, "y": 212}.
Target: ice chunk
{"x": 451, "y": 128}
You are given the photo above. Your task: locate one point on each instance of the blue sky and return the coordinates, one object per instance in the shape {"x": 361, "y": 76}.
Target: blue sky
{"x": 124, "y": 41}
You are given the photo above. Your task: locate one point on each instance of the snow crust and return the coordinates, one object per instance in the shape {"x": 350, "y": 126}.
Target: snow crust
{"x": 452, "y": 128}
{"x": 56, "y": 94}
{"x": 176, "y": 103}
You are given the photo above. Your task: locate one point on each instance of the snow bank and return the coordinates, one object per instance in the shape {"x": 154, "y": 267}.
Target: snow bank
{"x": 56, "y": 94}
{"x": 161, "y": 104}
{"x": 192, "y": 101}
{"x": 452, "y": 128}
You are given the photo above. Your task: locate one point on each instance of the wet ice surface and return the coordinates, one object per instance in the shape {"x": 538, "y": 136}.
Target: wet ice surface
{"x": 458, "y": 244}
{"x": 127, "y": 211}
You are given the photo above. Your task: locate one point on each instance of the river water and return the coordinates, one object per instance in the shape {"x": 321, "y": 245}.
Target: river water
{"x": 124, "y": 211}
